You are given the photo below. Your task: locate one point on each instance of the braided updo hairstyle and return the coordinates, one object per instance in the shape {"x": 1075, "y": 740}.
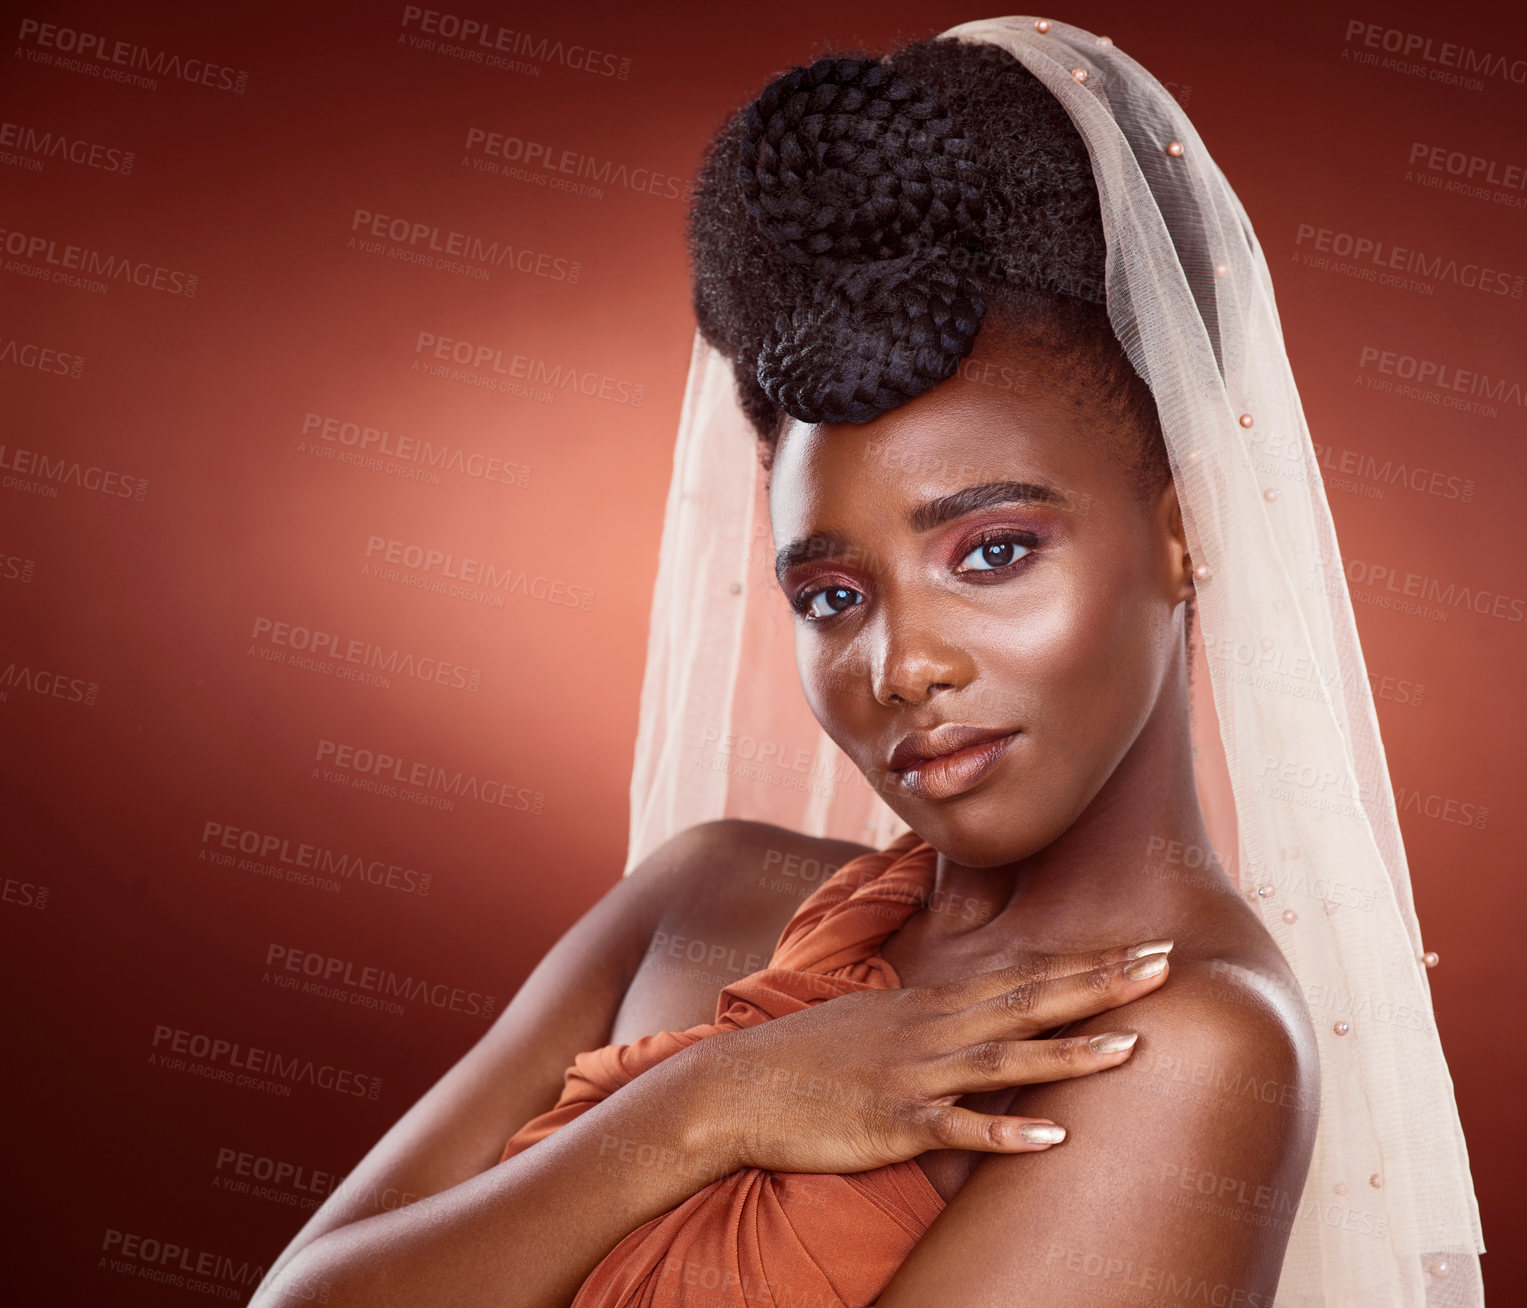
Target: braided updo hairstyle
{"x": 854, "y": 226}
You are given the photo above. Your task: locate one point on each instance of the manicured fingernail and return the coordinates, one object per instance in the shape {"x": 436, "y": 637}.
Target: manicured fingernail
{"x": 1042, "y": 1133}
{"x": 1143, "y": 968}
{"x": 1149, "y": 947}
{"x": 1115, "y": 1042}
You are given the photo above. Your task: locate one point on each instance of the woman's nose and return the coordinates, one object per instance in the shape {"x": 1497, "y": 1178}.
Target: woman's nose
{"x": 910, "y": 663}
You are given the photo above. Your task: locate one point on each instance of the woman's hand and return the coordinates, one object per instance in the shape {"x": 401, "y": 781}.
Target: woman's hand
{"x": 870, "y": 1078}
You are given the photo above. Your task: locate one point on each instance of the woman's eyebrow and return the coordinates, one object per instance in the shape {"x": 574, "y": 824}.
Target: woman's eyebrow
{"x": 925, "y": 517}
{"x": 946, "y": 508}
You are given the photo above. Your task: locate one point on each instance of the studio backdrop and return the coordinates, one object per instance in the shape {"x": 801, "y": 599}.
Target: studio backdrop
{"x": 342, "y": 350}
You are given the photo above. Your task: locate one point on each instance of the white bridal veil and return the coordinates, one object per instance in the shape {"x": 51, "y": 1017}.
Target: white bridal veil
{"x": 1290, "y": 767}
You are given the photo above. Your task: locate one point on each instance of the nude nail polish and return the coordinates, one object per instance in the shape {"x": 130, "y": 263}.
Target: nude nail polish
{"x": 1149, "y": 947}
{"x": 1042, "y": 1133}
{"x": 1144, "y": 968}
{"x": 1115, "y": 1042}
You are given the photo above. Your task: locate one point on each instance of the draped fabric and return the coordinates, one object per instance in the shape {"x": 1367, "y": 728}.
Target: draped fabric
{"x": 754, "y": 1237}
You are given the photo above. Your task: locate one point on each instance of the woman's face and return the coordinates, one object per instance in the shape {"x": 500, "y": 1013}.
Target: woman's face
{"x": 1047, "y": 609}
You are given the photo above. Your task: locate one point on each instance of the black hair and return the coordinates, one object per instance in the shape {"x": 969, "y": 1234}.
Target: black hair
{"x": 854, "y": 225}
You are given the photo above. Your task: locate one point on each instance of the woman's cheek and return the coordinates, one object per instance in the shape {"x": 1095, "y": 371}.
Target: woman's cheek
{"x": 838, "y": 690}
{"x": 1122, "y": 673}
{"x": 1081, "y": 666}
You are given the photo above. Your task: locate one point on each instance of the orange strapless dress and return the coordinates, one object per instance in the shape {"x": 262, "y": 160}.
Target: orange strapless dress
{"x": 755, "y": 1238}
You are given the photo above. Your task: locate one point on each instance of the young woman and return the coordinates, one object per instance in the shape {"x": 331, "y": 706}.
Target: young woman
{"x": 1002, "y": 336}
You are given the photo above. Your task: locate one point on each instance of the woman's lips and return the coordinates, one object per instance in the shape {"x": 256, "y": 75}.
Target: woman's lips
{"x": 953, "y": 774}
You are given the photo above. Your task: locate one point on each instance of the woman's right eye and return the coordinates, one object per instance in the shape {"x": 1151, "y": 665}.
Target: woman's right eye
{"x": 811, "y": 602}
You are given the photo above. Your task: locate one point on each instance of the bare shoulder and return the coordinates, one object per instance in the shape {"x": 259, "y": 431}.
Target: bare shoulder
{"x": 1232, "y": 1036}
{"x": 1226, "y": 1054}
{"x": 734, "y": 869}
{"x": 1182, "y": 1167}
{"x": 727, "y": 888}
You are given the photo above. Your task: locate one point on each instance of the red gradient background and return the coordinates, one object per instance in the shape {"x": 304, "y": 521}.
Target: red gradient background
{"x": 115, "y": 926}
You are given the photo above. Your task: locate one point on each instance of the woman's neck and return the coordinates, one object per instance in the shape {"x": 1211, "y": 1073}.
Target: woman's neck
{"x": 1137, "y": 863}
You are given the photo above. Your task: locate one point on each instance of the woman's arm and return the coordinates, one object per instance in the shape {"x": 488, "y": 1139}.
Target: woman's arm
{"x": 1179, "y": 1179}
{"x": 456, "y": 1131}
{"x": 531, "y": 1229}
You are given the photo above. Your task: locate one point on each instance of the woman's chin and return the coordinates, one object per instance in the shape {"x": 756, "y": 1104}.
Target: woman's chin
{"x": 982, "y": 831}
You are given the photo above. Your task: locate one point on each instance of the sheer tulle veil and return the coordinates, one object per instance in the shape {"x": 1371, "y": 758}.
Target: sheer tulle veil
{"x": 1290, "y": 766}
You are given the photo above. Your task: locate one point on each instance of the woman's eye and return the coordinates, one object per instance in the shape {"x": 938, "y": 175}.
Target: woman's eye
{"x": 835, "y": 599}
{"x": 991, "y": 555}
{"x": 995, "y": 554}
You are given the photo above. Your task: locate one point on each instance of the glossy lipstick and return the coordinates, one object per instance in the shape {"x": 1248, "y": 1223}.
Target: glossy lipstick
{"x": 953, "y": 774}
